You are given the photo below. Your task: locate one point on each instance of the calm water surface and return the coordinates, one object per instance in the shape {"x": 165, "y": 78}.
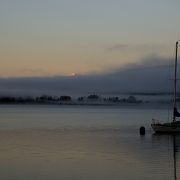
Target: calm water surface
{"x": 84, "y": 142}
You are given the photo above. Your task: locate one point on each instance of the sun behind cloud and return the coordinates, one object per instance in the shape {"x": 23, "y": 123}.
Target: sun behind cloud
{"x": 73, "y": 74}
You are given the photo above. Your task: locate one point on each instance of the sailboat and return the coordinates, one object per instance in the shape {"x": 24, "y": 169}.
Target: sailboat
{"x": 174, "y": 125}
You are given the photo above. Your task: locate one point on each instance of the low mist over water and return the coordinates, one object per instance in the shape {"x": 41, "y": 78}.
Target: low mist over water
{"x": 151, "y": 75}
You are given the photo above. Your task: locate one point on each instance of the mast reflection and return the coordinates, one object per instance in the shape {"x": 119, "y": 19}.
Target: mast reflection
{"x": 174, "y": 140}
{"x": 174, "y": 156}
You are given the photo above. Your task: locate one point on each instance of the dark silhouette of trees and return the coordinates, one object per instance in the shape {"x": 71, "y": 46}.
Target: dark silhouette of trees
{"x": 65, "y": 98}
{"x": 93, "y": 98}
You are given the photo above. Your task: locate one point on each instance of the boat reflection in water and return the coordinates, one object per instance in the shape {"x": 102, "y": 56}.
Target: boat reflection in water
{"x": 173, "y": 143}
{"x": 175, "y": 150}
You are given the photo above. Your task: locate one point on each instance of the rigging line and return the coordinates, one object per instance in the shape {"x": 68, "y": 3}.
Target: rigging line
{"x": 170, "y": 85}
{"x": 170, "y": 91}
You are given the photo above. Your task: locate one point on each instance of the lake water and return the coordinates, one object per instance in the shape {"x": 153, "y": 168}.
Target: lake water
{"x": 84, "y": 142}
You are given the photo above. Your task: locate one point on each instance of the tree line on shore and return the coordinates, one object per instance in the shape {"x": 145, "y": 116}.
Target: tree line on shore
{"x": 68, "y": 99}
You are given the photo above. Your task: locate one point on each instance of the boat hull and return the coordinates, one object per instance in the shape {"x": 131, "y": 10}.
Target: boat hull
{"x": 160, "y": 128}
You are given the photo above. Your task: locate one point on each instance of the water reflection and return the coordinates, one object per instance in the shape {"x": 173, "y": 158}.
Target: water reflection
{"x": 172, "y": 141}
{"x": 174, "y": 155}
{"x": 82, "y": 143}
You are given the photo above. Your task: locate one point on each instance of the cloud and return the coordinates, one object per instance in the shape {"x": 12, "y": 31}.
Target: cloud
{"x": 118, "y": 47}
{"x": 144, "y": 48}
{"x": 34, "y": 71}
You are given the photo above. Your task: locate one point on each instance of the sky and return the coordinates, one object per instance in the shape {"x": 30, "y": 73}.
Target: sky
{"x": 42, "y": 38}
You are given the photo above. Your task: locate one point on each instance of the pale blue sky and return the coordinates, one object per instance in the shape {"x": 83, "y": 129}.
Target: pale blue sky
{"x": 60, "y": 37}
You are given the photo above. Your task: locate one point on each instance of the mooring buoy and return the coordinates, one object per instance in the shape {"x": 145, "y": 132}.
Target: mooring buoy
{"x": 142, "y": 130}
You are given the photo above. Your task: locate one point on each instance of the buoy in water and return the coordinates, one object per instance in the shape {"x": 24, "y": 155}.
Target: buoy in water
{"x": 142, "y": 130}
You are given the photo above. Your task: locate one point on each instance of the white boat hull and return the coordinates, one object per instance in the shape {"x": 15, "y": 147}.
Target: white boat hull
{"x": 160, "y": 128}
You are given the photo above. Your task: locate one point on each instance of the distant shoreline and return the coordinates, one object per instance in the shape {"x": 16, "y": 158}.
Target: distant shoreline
{"x": 90, "y": 100}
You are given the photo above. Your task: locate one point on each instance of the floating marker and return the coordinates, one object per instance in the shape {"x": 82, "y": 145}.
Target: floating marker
{"x": 142, "y": 130}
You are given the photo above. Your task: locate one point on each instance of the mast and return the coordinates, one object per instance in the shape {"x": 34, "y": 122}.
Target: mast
{"x": 175, "y": 81}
